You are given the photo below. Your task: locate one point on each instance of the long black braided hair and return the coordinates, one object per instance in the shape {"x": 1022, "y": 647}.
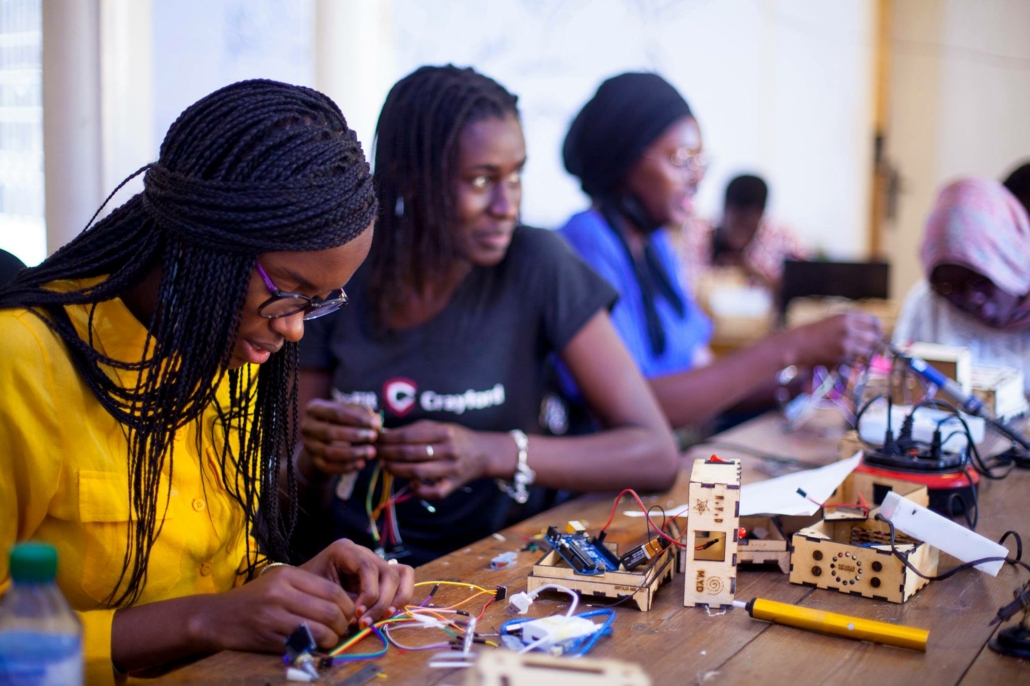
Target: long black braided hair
{"x": 255, "y": 167}
{"x": 416, "y": 164}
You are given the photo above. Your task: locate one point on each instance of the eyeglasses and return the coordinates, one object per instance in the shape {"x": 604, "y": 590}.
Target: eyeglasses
{"x": 288, "y": 304}
{"x": 683, "y": 158}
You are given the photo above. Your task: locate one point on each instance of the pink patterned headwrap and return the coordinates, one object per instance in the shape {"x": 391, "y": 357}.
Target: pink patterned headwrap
{"x": 980, "y": 225}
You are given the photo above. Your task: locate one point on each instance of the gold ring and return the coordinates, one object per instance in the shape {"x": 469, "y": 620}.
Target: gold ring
{"x": 391, "y": 562}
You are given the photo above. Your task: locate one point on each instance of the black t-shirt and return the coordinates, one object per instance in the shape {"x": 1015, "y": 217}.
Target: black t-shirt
{"x": 479, "y": 363}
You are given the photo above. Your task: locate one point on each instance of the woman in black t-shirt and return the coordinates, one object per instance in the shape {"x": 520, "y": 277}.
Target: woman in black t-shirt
{"x": 454, "y": 316}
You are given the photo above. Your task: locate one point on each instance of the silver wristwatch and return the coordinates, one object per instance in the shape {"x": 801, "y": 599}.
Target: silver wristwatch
{"x": 524, "y": 476}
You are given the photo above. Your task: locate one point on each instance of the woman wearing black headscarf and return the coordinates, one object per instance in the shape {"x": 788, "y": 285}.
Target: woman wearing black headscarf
{"x": 637, "y": 150}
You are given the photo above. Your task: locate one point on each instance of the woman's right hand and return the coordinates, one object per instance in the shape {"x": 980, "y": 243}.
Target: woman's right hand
{"x": 833, "y": 341}
{"x": 337, "y": 437}
{"x": 259, "y": 615}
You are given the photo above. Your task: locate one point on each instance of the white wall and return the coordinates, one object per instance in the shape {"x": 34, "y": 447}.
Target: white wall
{"x": 201, "y": 45}
{"x": 779, "y": 88}
{"x": 960, "y": 106}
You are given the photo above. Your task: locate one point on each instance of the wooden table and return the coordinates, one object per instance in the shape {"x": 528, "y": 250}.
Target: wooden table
{"x": 678, "y": 645}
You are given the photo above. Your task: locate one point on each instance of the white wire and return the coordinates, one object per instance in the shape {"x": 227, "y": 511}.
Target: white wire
{"x": 391, "y": 639}
{"x": 572, "y": 610}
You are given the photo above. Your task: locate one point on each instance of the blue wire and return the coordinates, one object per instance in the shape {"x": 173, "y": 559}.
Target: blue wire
{"x": 576, "y": 647}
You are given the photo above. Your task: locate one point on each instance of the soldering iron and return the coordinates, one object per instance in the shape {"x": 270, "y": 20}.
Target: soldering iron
{"x": 967, "y": 402}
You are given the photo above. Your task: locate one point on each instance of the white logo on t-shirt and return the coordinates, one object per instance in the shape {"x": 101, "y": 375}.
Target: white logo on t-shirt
{"x": 399, "y": 395}
{"x": 366, "y": 398}
{"x": 458, "y": 403}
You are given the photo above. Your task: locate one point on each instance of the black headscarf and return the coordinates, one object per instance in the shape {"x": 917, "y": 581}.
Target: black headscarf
{"x": 628, "y": 113}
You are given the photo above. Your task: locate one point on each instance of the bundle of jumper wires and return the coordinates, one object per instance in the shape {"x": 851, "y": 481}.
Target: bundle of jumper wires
{"x": 451, "y": 620}
{"x": 386, "y": 508}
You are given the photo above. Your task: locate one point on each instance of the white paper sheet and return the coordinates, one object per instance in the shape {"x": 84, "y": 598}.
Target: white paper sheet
{"x": 780, "y": 496}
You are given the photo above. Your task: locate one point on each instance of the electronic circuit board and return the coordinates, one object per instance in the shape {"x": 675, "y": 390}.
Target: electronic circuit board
{"x": 585, "y": 555}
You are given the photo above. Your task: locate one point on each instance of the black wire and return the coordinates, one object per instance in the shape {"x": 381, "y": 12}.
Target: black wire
{"x": 1017, "y": 560}
{"x": 858, "y": 417}
{"x": 643, "y": 583}
{"x": 665, "y": 521}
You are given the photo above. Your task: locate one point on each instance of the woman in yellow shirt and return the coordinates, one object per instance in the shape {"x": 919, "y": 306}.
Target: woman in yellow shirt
{"x": 149, "y": 374}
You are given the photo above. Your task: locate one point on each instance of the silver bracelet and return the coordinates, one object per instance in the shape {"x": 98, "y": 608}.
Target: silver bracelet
{"x": 524, "y": 476}
{"x": 271, "y": 565}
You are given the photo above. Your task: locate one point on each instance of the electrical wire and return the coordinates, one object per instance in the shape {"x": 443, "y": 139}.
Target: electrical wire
{"x": 903, "y": 556}
{"x": 409, "y": 619}
{"x": 572, "y": 609}
{"x": 575, "y": 647}
{"x": 647, "y": 516}
{"x": 860, "y": 505}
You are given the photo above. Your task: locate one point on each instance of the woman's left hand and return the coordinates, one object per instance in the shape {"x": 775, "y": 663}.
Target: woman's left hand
{"x": 437, "y": 458}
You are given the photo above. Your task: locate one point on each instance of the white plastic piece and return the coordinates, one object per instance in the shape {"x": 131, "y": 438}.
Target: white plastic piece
{"x": 427, "y": 622}
{"x": 521, "y": 601}
{"x": 293, "y": 674}
{"x": 503, "y": 560}
{"x": 874, "y": 425}
{"x": 451, "y": 660}
{"x": 345, "y": 485}
{"x": 940, "y": 532}
{"x": 547, "y": 631}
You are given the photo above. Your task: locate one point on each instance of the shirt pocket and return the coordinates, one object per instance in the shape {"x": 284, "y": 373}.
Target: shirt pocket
{"x": 104, "y": 516}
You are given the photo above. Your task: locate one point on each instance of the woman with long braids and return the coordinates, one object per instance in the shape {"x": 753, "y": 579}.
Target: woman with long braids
{"x": 149, "y": 370}
{"x": 457, "y": 311}
{"x": 636, "y": 148}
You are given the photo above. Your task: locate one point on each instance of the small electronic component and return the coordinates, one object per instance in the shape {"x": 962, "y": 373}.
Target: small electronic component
{"x": 644, "y": 552}
{"x": 299, "y": 643}
{"x": 575, "y": 527}
{"x": 585, "y": 555}
{"x": 503, "y": 560}
{"x": 298, "y": 658}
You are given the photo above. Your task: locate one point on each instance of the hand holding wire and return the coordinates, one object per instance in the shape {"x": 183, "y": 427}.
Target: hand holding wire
{"x": 376, "y": 587}
{"x": 259, "y": 615}
{"x": 436, "y": 457}
{"x": 338, "y": 437}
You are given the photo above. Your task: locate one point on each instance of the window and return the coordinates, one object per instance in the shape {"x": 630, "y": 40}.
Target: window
{"x": 22, "y": 227}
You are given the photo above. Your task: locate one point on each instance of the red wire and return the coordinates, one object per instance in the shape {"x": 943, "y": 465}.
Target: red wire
{"x": 483, "y": 611}
{"x": 861, "y": 504}
{"x": 641, "y": 504}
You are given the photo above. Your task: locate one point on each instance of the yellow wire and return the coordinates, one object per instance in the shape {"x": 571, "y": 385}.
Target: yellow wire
{"x": 455, "y": 583}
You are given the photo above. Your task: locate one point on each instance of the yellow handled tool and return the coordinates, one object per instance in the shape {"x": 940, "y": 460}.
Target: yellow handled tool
{"x": 838, "y": 625}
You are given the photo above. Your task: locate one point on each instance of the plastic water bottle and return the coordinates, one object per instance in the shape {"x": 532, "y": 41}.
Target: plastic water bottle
{"x": 40, "y": 636}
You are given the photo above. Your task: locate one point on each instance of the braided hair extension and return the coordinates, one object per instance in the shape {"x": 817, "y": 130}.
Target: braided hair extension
{"x": 416, "y": 164}
{"x": 255, "y": 167}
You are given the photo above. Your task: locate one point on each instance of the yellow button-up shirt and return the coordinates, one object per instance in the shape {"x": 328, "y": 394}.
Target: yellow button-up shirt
{"x": 64, "y": 478}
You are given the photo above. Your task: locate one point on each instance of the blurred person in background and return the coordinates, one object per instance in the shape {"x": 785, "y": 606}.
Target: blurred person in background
{"x": 637, "y": 150}
{"x": 976, "y": 264}
{"x": 1018, "y": 183}
{"x": 9, "y": 267}
{"x": 745, "y": 238}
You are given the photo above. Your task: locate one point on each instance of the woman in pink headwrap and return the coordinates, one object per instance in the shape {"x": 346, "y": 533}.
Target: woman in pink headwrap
{"x": 976, "y": 258}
